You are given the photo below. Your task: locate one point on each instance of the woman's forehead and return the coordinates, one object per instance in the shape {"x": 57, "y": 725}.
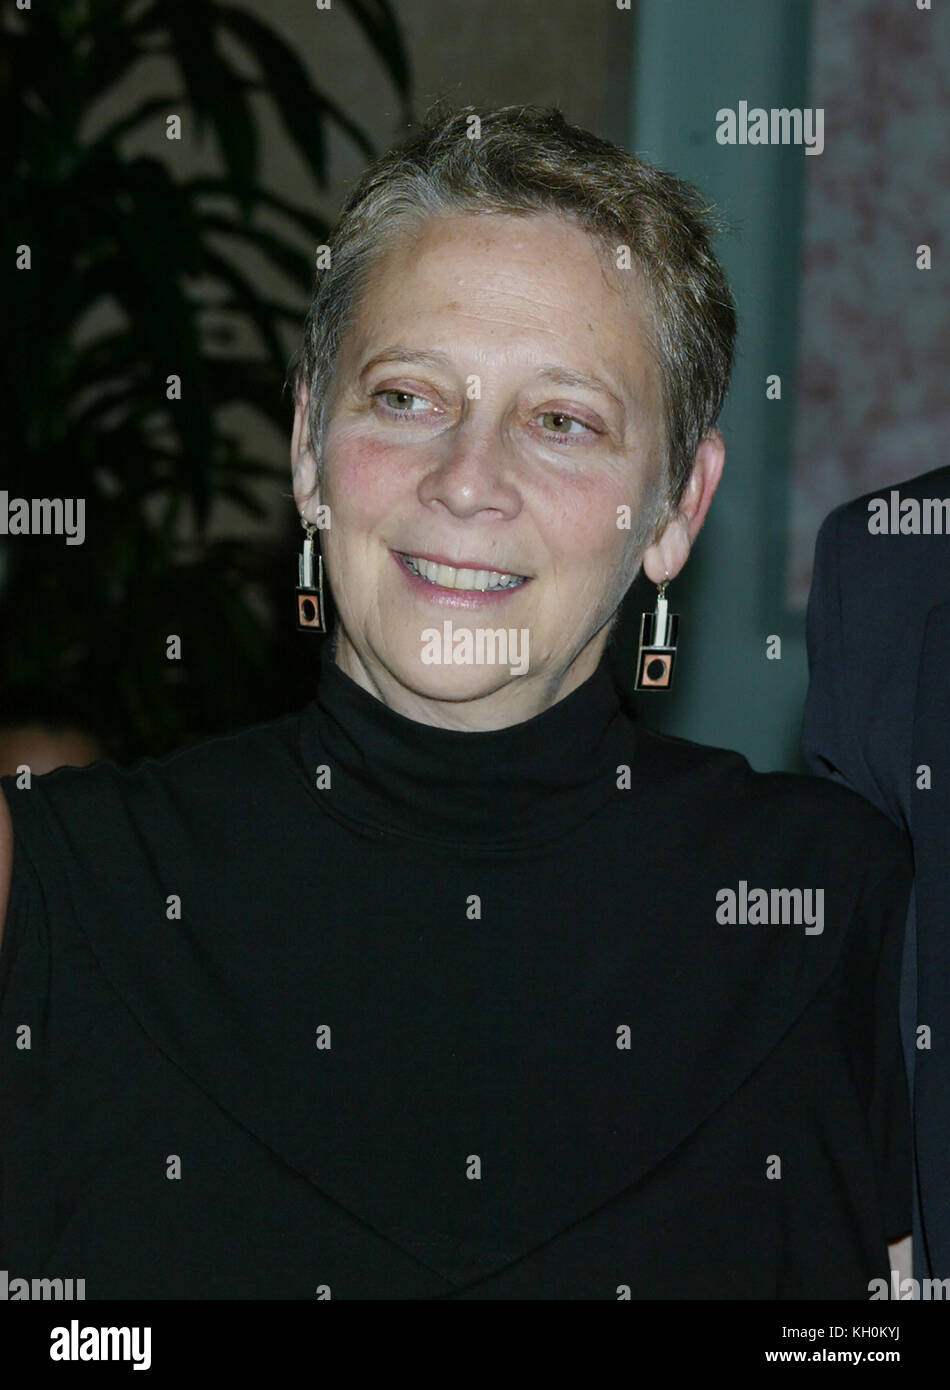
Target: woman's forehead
{"x": 503, "y": 279}
{"x": 500, "y": 244}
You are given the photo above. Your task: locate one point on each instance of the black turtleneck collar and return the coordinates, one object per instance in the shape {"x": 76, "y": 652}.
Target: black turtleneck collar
{"x": 503, "y": 789}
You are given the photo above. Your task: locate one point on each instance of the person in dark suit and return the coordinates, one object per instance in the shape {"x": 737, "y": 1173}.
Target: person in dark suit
{"x": 877, "y": 717}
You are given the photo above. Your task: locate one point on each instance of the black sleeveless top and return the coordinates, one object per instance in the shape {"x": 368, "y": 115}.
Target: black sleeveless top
{"x": 347, "y": 1006}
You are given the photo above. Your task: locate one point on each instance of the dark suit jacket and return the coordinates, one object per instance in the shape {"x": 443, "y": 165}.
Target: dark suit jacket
{"x": 877, "y": 714}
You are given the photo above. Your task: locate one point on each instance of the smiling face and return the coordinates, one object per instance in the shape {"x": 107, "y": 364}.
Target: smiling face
{"x": 495, "y": 403}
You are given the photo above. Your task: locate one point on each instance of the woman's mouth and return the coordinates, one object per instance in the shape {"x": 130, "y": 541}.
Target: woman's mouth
{"x": 471, "y": 587}
{"x": 460, "y": 579}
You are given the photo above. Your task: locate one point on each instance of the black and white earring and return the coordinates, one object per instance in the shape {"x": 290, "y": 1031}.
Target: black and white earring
{"x": 657, "y": 650}
{"x": 311, "y": 613}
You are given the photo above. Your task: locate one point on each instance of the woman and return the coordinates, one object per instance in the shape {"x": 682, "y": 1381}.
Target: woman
{"x": 459, "y": 982}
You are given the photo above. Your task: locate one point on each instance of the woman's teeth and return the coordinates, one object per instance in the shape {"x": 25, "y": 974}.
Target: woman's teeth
{"x": 449, "y": 578}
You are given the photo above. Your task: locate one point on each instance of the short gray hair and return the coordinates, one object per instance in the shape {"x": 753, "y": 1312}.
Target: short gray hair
{"x": 529, "y": 160}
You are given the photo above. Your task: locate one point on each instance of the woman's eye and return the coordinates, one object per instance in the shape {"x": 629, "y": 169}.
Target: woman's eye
{"x": 556, "y": 423}
{"x": 561, "y": 418}
{"x": 397, "y": 401}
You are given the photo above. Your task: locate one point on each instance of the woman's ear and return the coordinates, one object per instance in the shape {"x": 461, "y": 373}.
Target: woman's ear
{"x": 302, "y": 463}
{"x": 668, "y": 553}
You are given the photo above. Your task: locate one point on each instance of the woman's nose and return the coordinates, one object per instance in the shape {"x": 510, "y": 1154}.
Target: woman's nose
{"x": 472, "y": 473}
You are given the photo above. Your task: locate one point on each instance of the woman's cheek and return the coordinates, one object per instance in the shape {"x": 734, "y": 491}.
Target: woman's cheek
{"x": 365, "y": 476}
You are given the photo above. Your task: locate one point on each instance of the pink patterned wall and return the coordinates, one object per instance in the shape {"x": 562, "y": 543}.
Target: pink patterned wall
{"x": 873, "y": 391}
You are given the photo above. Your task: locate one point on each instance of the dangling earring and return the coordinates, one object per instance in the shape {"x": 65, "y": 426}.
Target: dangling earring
{"x": 311, "y": 614}
{"x": 657, "y": 645}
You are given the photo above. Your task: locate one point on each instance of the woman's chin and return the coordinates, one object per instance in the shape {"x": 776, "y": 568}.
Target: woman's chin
{"x": 445, "y": 681}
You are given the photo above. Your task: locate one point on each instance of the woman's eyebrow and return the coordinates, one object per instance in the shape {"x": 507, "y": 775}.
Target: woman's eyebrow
{"x": 566, "y": 376}
{"x": 398, "y": 353}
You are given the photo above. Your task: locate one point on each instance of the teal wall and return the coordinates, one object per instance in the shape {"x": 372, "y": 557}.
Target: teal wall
{"x": 690, "y": 58}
